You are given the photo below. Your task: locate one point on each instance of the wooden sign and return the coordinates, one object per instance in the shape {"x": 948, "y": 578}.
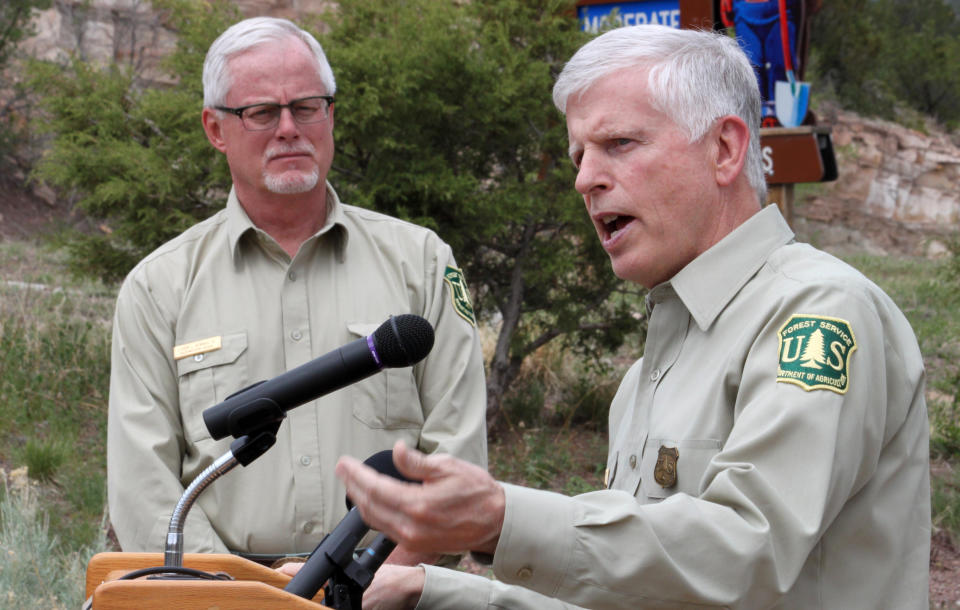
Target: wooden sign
{"x": 797, "y": 154}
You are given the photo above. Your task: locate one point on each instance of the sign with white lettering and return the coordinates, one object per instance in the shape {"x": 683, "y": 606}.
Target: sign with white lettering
{"x": 661, "y": 12}
{"x": 797, "y": 154}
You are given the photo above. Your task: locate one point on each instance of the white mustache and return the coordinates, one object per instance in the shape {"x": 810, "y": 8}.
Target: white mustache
{"x": 288, "y": 149}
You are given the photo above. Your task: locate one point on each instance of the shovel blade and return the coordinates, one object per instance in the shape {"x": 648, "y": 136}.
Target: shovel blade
{"x": 791, "y": 102}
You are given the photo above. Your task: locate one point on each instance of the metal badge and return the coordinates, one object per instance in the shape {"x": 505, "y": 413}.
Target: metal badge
{"x": 665, "y": 472}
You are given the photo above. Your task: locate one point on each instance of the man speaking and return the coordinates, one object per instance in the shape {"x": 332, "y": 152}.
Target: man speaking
{"x": 770, "y": 449}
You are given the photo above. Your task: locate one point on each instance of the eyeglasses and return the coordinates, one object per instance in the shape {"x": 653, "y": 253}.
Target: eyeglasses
{"x": 260, "y": 117}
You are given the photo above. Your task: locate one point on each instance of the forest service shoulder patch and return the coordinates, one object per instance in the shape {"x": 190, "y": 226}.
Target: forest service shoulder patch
{"x": 815, "y": 353}
{"x": 459, "y": 294}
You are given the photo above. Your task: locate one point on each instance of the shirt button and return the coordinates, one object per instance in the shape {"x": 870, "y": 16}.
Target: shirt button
{"x": 198, "y": 358}
{"x": 293, "y": 276}
{"x": 524, "y": 573}
{"x": 305, "y": 460}
{"x": 655, "y": 375}
{"x": 296, "y": 335}
{"x": 308, "y": 527}
{"x": 633, "y": 461}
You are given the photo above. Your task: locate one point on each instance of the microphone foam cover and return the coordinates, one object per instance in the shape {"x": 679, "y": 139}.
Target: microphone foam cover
{"x": 382, "y": 462}
{"x": 403, "y": 340}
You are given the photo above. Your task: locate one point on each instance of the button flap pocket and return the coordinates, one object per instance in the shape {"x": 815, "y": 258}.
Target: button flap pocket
{"x": 389, "y": 400}
{"x": 362, "y": 329}
{"x": 232, "y": 346}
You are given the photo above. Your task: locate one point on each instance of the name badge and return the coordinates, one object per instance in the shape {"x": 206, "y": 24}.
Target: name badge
{"x": 193, "y": 348}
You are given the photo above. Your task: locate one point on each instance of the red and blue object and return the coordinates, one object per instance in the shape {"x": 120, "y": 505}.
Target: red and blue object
{"x": 768, "y": 41}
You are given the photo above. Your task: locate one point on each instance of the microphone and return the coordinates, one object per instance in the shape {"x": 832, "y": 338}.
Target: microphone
{"x": 400, "y": 341}
{"x": 334, "y": 554}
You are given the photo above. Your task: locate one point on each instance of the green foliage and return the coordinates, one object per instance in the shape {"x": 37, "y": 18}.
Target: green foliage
{"x": 945, "y": 501}
{"x": 15, "y": 25}
{"x": 134, "y": 156}
{"x": 878, "y": 55}
{"x": 549, "y": 458}
{"x": 444, "y": 117}
{"x": 523, "y": 404}
{"x": 54, "y": 376}
{"x": 929, "y": 298}
{"x": 945, "y": 426}
{"x": 587, "y": 401}
{"x": 35, "y": 571}
{"x": 43, "y": 459}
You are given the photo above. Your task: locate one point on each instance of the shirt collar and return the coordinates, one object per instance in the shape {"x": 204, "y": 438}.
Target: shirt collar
{"x": 709, "y": 282}
{"x": 239, "y": 224}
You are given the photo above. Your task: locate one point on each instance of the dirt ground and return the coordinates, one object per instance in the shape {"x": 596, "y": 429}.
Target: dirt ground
{"x": 24, "y": 214}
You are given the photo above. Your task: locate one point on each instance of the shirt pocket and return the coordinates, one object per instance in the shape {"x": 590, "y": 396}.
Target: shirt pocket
{"x": 693, "y": 457}
{"x": 207, "y": 379}
{"x": 388, "y": 400}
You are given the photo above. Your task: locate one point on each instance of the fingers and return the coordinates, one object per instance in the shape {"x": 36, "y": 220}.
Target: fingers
{"x": 413, "y": 464}
{"x": 379, "y": 497}
{"x": 458, "y": 506}
{"x": 291, "y": 568}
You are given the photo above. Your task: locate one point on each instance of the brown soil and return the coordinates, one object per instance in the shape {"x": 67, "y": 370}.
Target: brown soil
{"x": 23, "y": 214}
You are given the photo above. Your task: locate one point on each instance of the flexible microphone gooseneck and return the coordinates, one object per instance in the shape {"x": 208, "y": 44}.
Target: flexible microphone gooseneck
{"x": 400, "y": 341}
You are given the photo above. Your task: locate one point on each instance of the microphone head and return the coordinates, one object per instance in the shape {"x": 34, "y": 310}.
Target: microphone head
{"x": 382, "y": 462}
{"x": 403, "y": 340}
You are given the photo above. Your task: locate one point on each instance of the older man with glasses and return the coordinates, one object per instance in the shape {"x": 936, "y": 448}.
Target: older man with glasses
{"x": 284, "y": 274}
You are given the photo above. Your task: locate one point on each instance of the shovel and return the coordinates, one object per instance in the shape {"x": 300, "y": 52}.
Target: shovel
{"x": 791, "y": 97}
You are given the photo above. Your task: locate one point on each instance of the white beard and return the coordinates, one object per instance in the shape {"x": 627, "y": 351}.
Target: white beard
{"x": 291, "y": 183}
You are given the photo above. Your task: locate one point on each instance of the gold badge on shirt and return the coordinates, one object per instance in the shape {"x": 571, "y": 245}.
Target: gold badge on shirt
{"x": 194, "y": 348}
{"x": 665, "y": 472}
{"x": 459, "y": 294}
{"x": 815, "y": 353}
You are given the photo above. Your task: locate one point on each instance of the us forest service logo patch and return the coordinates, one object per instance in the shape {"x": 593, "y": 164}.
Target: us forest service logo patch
{"x": 459, "y": 294}
{"x": 815, "y": 353}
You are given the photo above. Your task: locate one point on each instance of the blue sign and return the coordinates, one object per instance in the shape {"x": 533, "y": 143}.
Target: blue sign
{"x": 662, "y": 12}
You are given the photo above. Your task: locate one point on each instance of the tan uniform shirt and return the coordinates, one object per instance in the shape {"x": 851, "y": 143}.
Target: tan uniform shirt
{"x": 228, "y": 282}
{"x": 770, "y": 449}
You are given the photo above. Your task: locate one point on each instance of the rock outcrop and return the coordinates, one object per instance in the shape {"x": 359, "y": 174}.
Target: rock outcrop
{"x": 898, "y": 186}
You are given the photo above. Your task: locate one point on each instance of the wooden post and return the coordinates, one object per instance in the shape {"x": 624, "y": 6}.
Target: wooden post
{"x": 782, "y": 195}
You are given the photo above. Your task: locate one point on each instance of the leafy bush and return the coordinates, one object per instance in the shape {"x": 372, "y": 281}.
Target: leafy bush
{"x": 133, "y": 156}
{"x": 880, "y": 55}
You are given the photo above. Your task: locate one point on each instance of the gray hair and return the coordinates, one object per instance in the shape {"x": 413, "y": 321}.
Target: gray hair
{"x": 245, "y": 35}
{"x": 695, "y": 77}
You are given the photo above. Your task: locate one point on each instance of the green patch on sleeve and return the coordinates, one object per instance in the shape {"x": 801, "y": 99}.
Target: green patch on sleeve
{"x": 815, "y": 353}
{"x": 459, "y": 294}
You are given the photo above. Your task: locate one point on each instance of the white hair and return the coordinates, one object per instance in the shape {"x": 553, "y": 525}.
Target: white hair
{"x": 694, "y": 77}
{"x": 245, "y": 35}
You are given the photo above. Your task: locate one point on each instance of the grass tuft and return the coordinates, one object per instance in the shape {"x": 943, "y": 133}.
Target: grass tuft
{"x": 35, "y": 572}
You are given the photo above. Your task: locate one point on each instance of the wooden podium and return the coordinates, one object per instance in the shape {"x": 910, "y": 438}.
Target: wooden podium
{"x": 254, "y": 586}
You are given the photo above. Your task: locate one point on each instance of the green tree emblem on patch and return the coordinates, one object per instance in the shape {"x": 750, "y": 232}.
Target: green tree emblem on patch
{"x": 459, "y": 294}
{"x": 815, "y": 353}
